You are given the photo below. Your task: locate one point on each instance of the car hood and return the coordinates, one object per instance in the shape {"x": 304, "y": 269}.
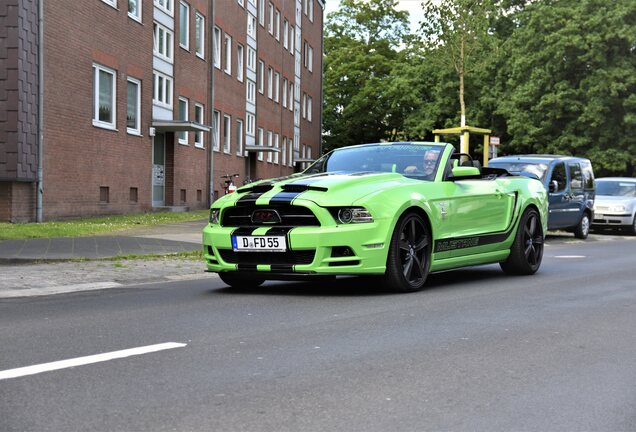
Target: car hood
{"x": 606, "y": 200}
{"x": 325, "y": 189}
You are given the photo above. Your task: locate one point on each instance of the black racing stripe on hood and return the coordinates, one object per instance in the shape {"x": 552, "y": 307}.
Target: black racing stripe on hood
{"x": 284, "y": 197}
{"x": 281, "y": 231}
{"x": 249, "y": 198}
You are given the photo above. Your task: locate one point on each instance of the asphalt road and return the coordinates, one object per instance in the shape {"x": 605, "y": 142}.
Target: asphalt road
{"x": 476, "y": 351}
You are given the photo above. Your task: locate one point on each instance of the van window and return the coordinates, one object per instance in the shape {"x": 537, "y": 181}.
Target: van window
{"x": 576, "y": 178}
{"x": 588, "y": 175}
{"x": 558, "y": 175}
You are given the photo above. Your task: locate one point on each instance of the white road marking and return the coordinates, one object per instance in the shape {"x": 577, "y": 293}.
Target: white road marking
{"x": 80, "y": 361}
{"x": 570, "y": 256}
{"x": 61, "y": 289}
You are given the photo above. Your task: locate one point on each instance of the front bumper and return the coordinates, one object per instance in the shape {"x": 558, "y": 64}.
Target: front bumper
{"x": 612, "y": 220}
{"x": 311, "y": 250}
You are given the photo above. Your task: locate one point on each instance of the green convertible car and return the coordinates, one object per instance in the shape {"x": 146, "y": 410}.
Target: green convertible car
{"x": 394, "y": 211}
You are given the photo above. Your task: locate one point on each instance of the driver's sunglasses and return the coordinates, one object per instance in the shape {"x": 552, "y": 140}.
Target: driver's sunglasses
{"x": 430, "y": 162}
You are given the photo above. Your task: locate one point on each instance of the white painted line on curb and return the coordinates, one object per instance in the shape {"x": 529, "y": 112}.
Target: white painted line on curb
{"x": 80, "y": 361}
{"x": 61, "y": 289}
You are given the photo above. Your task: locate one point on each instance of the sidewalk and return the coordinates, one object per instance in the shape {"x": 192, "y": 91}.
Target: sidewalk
{"x": 156, "y": 239}
{"x": 36, "y": 267}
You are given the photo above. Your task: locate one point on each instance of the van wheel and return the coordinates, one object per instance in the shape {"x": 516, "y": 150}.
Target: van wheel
{"x": 583, "y": 228}
{"x": 632, "y": 229}
{"x": 526, "y": 251}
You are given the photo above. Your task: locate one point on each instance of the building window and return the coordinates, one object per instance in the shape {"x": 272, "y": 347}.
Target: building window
{"x": 183, "y": 115}
{"x": 104, "y": 91}
{"x": 133, "y": 195}
{"x": 291, "y": 96}
{"x": 239, "y": 137}
{"x": 249, "y": 127}
{"x": 112, "y": 3}
{"x": 134, "y": 9}
{"x": 165, "y": 5}
{"x": 310, "y": 12}
{"x": 292, "y": 41}
{"x": 217, "y": 132}
{"x": 184, "y": 25}
{"x": 270, "y": 82}
{"x": 162, "y": 42}
{"x": 239, "y": 62}
{"x": 251, "y": 59}
{"x": 290, "y": 160}
{"x": 304, "y": 107}
{"x": 260, "y": 143}
{"x": 277, "y": 25}
{"x": 200, "y": 34}
{"x": 227, "y": 133}
{"x": 285, "y": 35}
{"x": 309, "y": 103}
{"x": 276, "y": 86}
{"x": 104, "y": 194}
{"x": 228, "y": 54}
{"x": 283, "y": 152}
{"x": 284, "y": 98}
{"x": 162, "y": 90}
{"x": 270, "y": 143}
{"x": 241, "y": 3}
{"x": 270, "y": 22}
{"x": 261, "y": 12}
{"x": 198, "y": 117}
{"x": 133, "y": 114}
{"x": 251, "y": 91}
{"x": 276, "y": 144}
{"x": 251, "y": 25}
{"x": 261, "y": 76}
{"x": 217, "y": 47}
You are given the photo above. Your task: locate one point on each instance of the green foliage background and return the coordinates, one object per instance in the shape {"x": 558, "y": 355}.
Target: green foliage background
{"x": 548, "y": 76}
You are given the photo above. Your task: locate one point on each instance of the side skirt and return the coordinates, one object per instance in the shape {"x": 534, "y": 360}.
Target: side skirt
{"x": 469, "y": 260}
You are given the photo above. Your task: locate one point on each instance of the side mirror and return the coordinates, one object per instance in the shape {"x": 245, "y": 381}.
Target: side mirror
{"x": 462, "y": 171}
{"x": 553, "y": 186}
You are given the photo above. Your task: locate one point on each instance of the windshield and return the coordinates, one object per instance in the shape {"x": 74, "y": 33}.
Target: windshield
{"x": 411, "y": 160}
{"x": 616, "y": 188}
{"x": 538, "y": 169}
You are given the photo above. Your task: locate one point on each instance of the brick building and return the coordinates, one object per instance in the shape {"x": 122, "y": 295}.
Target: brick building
{"x": 122, "y": 106}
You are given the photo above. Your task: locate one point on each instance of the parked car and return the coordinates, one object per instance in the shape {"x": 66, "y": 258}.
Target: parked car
{"x": 570, "y": 183}
{"x": 615, "y": 205}
{"x": 394, "y": 211}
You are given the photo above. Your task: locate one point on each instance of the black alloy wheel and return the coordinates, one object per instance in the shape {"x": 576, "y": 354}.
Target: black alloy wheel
{"x": 526, "y": 252}
{"x": 409, "y": 254}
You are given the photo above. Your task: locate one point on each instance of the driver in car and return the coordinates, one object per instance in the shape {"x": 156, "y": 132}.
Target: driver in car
{"x": 428, "y": 165}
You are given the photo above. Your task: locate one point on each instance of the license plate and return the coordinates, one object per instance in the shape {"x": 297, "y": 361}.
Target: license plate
{"x": 599, "y": 216}
{"x": 259, "y": 243}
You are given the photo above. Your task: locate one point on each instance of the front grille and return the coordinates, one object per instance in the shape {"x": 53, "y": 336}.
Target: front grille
{"x": 291, "y": 216}
{"x": 274, "y": 258}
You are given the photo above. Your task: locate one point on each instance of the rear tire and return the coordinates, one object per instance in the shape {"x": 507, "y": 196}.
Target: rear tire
{"x": 632, "y": 229}
{"x": 237, "y": 280}
{"x": 583, "y": 228}
{"x": 409, "y": 255}
{"x": 526, "y": 251}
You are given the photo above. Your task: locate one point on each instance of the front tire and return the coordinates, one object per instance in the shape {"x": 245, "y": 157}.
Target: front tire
{"x": 237, "y": 280}
{"x": 409, "y": 255}
{"x": 583, "y": 228}
{"x": 526, "y": 251}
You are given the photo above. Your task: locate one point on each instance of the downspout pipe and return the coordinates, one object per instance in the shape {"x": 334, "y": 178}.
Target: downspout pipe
{"x": 40, "y": 182}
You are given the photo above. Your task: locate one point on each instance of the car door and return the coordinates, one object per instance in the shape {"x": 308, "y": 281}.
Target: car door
{"x": 558, "y": 215}
{"x": 471, "y": 209}
{"x": 576, "y": 202}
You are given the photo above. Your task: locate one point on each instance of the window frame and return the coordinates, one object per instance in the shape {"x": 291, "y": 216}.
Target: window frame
{"x": 165, "y": 52}
{"x": 185, "y": 27}
{"x": 216, "y": 45}
{"x": 138, "y": 16}
{"x": 227, "y": 45}
{"x": 165, "y": 5}
{"x": 239, "y": 137}
{"x": 216, "y": 123}
{"x": 227, "y": 133}
{"x": 97, "y": 68}
{"x": 199, "y": 32}
{"x": 182, "y": 136}
{"x": 167, "y": 90}
{"x": 240, "y": 62}
{"x": 137, "y": 129}
{"x": 199, "y": 117}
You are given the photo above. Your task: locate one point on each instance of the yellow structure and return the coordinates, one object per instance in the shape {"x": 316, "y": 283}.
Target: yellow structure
{"x": 464, "y": 132}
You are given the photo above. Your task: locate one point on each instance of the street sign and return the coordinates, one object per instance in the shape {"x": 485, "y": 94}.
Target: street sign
{"x": 494, "y": 140}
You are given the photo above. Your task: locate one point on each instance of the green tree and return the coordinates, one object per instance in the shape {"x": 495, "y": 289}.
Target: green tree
{"x": 569, "y": 82}
{"x": 361, "y": 44}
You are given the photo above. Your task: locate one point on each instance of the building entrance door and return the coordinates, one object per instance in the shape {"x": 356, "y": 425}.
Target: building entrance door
{"x": 159, "y": 170}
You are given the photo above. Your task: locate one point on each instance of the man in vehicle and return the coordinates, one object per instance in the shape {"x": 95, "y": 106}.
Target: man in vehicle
{"x": 429, "y": 162}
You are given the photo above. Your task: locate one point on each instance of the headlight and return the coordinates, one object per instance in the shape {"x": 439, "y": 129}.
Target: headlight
{"x": 214, "y": 216}
{"x": 347, "y": 215}
{"x": 617, "y": 209}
